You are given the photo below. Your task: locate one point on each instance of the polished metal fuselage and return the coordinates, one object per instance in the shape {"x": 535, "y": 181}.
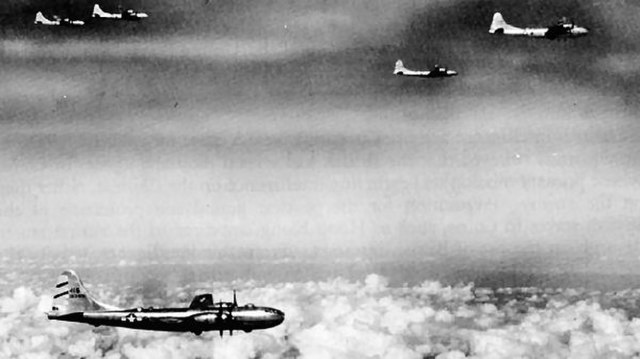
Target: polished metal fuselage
{"x": 245, "y": 318}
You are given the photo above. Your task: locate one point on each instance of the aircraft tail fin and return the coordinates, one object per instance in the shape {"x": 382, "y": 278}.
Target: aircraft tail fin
{"x": 71, "y": 296}
{"x": 498, "y": 25}
{"x": 40, "y": 19}
{"x": 399, "y": 69}
{"x": 97, "y": 11}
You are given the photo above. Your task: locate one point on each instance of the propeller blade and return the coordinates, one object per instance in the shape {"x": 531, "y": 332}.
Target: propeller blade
{"x": 235, "y": 302}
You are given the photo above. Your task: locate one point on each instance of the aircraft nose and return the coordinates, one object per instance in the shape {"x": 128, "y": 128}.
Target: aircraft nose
{"x": 452, "y": 73}
{"x": 278, "y": 316}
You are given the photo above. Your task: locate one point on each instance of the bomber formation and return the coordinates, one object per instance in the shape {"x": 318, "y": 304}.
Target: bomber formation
{"x": 98, "y": 13}
{"x": 73, "y": 303}
{"x": 562, "y": 29}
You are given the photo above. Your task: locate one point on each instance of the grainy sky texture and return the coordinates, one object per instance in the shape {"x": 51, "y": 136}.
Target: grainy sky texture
{"x": 279, "y": 123}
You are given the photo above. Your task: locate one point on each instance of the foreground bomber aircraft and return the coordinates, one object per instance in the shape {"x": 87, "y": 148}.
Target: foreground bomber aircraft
{"x": 562, "y": 29}
{"x": 41, "y": 20}
{"x": 128, "y": 14}
{"x": 437, "y": 71}
{"x": 73, "y": 303}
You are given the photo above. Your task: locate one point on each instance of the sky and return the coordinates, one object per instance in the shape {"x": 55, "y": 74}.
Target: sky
{"x": 279, "y": 123}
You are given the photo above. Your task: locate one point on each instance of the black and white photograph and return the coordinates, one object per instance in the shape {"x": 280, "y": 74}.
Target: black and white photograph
{"x": 319, "y": 179}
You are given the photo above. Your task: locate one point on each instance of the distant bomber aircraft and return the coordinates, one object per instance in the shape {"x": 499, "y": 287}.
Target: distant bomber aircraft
{"x": 437, "y": 71}
{"x": 73, "y": 303}
{"x": 57, "y": 21}
{"x": 562, "y": 29}
{"x": 128, "y": 14}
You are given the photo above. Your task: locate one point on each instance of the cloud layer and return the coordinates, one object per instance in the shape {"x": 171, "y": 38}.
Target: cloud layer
{"x": 138, "y": 134}
{"x": 364, "y": 319}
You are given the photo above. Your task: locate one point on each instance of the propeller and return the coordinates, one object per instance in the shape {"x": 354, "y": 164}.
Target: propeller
{"x": 235, "y": 305}
{"x": 219, "y": 317}
{"x": 226, "y": 316}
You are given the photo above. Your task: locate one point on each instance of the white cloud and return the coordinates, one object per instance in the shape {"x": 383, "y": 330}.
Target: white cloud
{"x": 177, "y": 48}
{"x": 40, "y": 86}
{"x": 342, "y": 319}
{"x": 22, "y": 299}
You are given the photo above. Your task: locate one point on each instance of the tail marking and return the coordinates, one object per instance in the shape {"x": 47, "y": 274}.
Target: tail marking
{"x": 72, "y": 297}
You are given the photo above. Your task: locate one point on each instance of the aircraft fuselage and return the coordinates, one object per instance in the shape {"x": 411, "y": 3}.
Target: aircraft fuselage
{"x": 245, "y": 318}
{"x": 73, "y": 303}
{"x": 429, "y": 74}
{"x": 438, "y": 71}
{"x": 562, "y": 29}
{"x": 548, "y": 33}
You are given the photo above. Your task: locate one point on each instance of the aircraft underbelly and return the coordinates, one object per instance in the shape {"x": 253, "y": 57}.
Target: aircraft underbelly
{"x": 172, "y": 321}
{"x": 514, "y": 31}
{"x": 150, "y": 321}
